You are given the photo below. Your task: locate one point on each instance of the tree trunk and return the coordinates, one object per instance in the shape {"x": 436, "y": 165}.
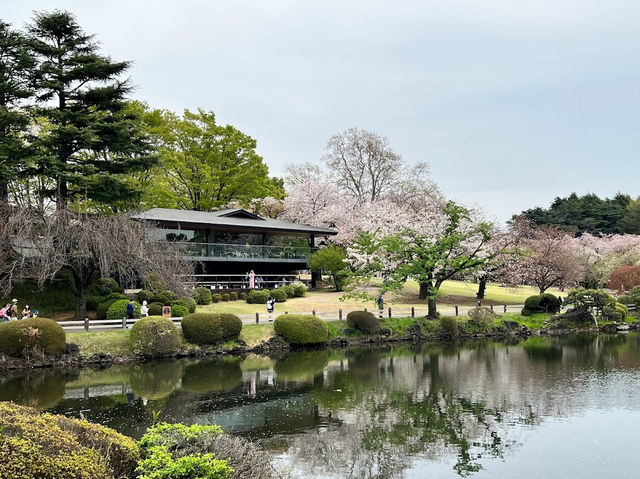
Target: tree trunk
{"x": 4, "y": 194}
{"x": 81, "y": 302}
{"x": 424, "y": 290}
{"x": 482, "y": 286}
{"x": 432, "y": 312}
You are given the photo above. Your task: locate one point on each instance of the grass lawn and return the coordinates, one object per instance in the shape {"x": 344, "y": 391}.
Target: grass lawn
{"x": 114, "y": 342}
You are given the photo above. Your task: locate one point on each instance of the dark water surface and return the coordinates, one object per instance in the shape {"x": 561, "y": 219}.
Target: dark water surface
{"x": 543, "y": 408}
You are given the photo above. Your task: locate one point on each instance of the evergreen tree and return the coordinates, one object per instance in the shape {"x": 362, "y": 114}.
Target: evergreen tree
{"x": 15, "y": 65}
{"x": 92, "y": 141}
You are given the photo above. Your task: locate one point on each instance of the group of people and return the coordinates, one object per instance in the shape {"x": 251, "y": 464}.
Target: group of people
{"x": 253, "y": 281}
{"x": 10, "y": 312}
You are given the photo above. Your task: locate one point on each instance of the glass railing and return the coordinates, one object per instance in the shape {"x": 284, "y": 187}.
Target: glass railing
{"x": 215, "y": 250}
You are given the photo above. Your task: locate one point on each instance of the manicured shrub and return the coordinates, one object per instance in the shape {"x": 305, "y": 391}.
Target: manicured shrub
{"x": 614, "y": 311}
{"x": 280, "y": 295}
{"x": 447, "y": 326}
{"x": 216, "y": 298}
{"x": 49, "y": 446}
{"x": 209, "y": 328}
{"x": 154, "y": 336}
{"x": 482, "y": 316}
{"x": 233, "y": 296}
{"x": 299, "y": 289}
{"x": 179, "y": 310}
{"x": 626, "y": 299}
{"x": 170, "y": 295}
{"x": 21, "y": 337}
{"x": 541, "y": 303}
{"x": 118, "y": 309}
{"x": 242, "y": 296}
{"x": 635, "y": 294}
{"x": 258, "y": 296}
{"x": 192, "y": 304}
{"x": 155, "y": 309}
{"x": 301, "y": 328}
{"x": 144, "y": 295}
{"x": 364, "y": 321}
{"x": 101, "y": 310}
{"x": 202, "y": 295}
{"x": 93, "y": 302}
{"x": 115, "y": 296}
{"x": 104, "y": 286}
{"x": 290, "y": 290}
{"x": 225, "y": 297}
{"x": 165, "y": 297}
{"x": 164, "y": 451}
{"x": 248, "y": 460}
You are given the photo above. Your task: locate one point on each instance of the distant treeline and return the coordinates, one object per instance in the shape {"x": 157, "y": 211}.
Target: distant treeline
{"x": 590, "y": 214}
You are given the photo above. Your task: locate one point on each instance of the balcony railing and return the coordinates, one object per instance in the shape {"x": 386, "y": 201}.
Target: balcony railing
{"x": 216, "y": 250}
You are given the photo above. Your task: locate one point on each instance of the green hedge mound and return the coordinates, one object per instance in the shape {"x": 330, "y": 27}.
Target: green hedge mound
{"x": 48, "y": 446}
{"x": 280, "y": 295}
{"x": 209, "y": 328}
{"x": 16, "y": 338}
{"x": 154, "y": 336}
{"x": 541, "y": 303}
{"x": 364, "y": 321}
{"x": 301, "y": 329}
{"x": 258, "y": 296}
{"x": 118, "y": 309}
{"x": 155, "y": 309}
{"x": 202, "y": 295}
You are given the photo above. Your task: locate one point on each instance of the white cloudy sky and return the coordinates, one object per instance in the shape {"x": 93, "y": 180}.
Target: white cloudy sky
{"x": 511, "y": 102}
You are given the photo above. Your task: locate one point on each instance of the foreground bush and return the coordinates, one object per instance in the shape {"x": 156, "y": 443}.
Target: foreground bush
{"x": 258, "y": 296}
{"x": 301, "y": 328}
{"x": 154, "y": 336}
{"x": 364, "y": 321}
{"x": 202, "y": 295}
{"x": 22, "y": 337}
{"x": 245, "y": 459}
{"x": 541, "y": 303}
{"x": 54, "y": 447}
{"x": 118, "y": 309}
{"x": 209, "y": 328}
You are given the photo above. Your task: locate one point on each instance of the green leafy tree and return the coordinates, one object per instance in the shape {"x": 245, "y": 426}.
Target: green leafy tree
{"x": 15, "y": 66}
{"x": 459, "y": 247}
{"x": 204, "y": 165}
{"x": 92, "y": 141}
{"x": 332, "y": 261}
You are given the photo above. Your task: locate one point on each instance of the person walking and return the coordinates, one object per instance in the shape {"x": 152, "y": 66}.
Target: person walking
{"x": 271, "y": 306}
{"x": 380, "y": 303}
{"x": 252, "y": 280}
{"x": 4, "y": 313}
{"x": 14, "y": 309}
{"x": 131, "y": 310}
{"x": 26, "y": 312}
{"x": 144, "y": 309}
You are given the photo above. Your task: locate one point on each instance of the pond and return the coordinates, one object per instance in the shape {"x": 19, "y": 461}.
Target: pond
{"x": 552, "y": 408}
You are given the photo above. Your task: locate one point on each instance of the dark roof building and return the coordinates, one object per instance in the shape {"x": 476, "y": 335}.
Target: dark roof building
{"x": 229, "y": 243}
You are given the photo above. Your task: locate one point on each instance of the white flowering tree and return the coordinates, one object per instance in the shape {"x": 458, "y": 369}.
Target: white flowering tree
{"x": 442, "y": 245}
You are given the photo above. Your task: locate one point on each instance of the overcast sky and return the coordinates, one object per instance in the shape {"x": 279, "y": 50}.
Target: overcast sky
{"x": 511, "y": 102}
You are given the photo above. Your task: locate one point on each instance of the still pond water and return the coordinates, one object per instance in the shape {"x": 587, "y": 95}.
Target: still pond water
{"x": 542, "y": 408}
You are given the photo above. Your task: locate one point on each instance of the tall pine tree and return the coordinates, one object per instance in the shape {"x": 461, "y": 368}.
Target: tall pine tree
{"x": 15, "y": 66}
{"x": 92, "y": 141}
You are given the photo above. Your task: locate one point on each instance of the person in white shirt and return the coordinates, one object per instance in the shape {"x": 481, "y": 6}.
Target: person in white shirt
{"x": 144, "y": 310}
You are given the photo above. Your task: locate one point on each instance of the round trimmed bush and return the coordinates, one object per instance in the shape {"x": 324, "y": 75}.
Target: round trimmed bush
{"x": 209, "y": 328}
{"x": 216, "y": 298}
{"x": 155, "y": 309}
{"x": 280, "y": 295}
{"x": 301, "y": 328}
{"x": 179, "y": 310}
{"x": 290, "y": 290}
{"x": 299, "y": 289}
{"x": 626, "y": 299}
{"x": 49, "y": 446}
{"x": 233, "y": 296}
{"x": 225, "y": 297}
{"x": 14, "y": 336}
{"x": 144, "y": 295}
{"x": 541, "y": 303}
{"x": 192, "y": 304}
{"x": 104, "y": 286}
{"x": 365, "y": 321}
{"x": 242, "y": 296}
{"x": 101, "y": 310}
{"x": 154, "y": 336}
{"x": 118, "y": 309}
{"x": 615, "y": 311}
{"x": 202, "y": 295}
{"x": 258, "y": 296}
